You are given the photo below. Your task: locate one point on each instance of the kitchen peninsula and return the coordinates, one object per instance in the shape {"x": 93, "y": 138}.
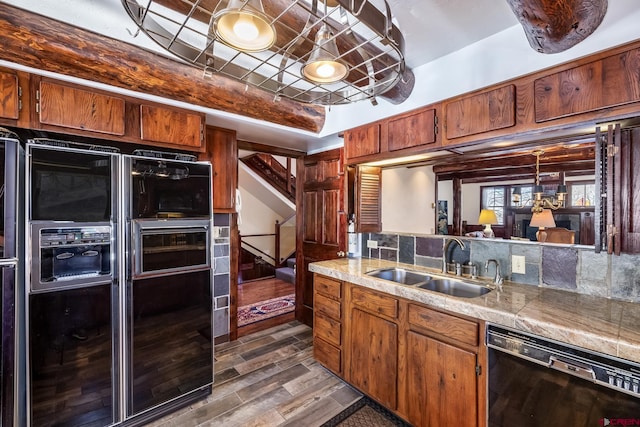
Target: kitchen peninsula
{"x": 435, "y": 358}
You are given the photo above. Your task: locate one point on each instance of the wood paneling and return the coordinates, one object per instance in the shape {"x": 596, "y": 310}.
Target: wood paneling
{"x": 412, "y": 130}
{"x": 9, "y": 98}
{"x": 171, "y": 126}
{"x": 629, "y": 193}
{"x": 600, "y": 84}
{"x": 483, "y": 112}
{"x": 69, "y": 107}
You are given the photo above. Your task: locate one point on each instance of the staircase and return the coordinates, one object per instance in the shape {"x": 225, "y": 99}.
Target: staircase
{"x": 267, "y": 167}
{"x": 288, "y": 273}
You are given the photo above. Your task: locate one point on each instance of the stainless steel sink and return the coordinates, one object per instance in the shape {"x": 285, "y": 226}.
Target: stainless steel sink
{"x": 455, "y": 287}
{"x": 400, "y": 275}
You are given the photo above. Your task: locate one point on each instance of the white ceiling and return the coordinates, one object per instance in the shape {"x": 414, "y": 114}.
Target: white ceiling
{"x": 452, "y": 46}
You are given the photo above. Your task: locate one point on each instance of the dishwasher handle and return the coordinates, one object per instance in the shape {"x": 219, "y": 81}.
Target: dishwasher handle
{"x": 572, "y": 368}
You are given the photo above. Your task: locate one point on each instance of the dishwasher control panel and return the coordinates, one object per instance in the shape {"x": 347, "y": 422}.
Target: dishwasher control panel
{"x": 609, "y": 371}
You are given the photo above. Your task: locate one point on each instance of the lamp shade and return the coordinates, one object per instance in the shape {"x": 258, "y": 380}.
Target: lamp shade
{"x": 323, "y": 65}
{"x": 487, "y": 216}
{"x": 244, "y": 26}
{"x": 542, "y": 219}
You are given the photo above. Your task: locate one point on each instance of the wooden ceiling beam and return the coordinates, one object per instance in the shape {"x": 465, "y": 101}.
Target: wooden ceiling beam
{"x": 42, "y": 43}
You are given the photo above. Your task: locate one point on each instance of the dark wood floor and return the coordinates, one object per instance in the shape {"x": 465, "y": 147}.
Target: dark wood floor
{"x": 268, "y": 378}
{"x": 261, "y": 290}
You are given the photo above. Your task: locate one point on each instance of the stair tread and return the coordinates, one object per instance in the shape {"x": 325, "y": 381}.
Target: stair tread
{"x": 286, "y": 273}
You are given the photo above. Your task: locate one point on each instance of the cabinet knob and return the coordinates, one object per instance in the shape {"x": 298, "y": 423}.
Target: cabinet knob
{"x": 341, "y": 254}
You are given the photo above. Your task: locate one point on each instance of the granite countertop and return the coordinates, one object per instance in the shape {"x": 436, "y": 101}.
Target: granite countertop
{"x": 600, "y": 324}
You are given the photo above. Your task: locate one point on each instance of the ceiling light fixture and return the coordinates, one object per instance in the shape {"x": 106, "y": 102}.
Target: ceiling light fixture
{"x": 243, "y": 25}
{"x": 290, "y": 48}
{"x": 539, "y": 202}
{"x": 323, "y": 65}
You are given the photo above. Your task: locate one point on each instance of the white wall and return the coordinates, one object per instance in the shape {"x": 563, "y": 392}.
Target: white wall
{"x": 408, "y": 195}
{"x": 258, "y": 218}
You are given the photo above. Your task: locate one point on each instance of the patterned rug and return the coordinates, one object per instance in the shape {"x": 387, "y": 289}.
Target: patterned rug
{"x": 266, "y": 309}
{"x": 365, "y": 413}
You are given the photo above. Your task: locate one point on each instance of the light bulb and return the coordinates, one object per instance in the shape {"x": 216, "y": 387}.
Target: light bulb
{"x": 245, "y": 28}
{"x": 326, "y": 70}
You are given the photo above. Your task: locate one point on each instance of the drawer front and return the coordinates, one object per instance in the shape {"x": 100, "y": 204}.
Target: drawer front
{"x": 328, "y": 329}
{"x": 327, "y": 355}
{"x": 374, "y": 302}
{"x": 329, "y": 287}
{"x": 327, "y": 306}
{"x": 453, "y": 327}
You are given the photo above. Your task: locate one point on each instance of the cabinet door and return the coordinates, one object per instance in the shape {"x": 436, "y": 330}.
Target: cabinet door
{"x": 171, "y": 126}
{"x": 9, "y": 96}
{"x": 373, "y": 356}
{"x": 483, "y": 112}
{"x": 441, "y": 383}
{"x": 412, "y": 131}
{"x": 368, "y": 199}
{"x": 66, "y": 106}
{"x": 222, "y": 151}
{"x": 629, "y": 194}
{"x": 362, "y": 141}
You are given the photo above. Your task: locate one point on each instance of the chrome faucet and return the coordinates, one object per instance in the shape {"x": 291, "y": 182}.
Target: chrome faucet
{"x": 498, "y": 279}
{"x": 446, "y": 250}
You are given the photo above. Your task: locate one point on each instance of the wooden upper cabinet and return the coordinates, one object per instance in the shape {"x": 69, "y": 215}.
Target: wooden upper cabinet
{"x": 362, "y": 141}
{"x": 9, "y": 96}
{"x": 171, "y": 126}
{"x": 608, "y": 82}
{"x": 413, "y": 130}
{"x": 222, "y": 152}
{"x": 483, "y": 112}
{"x": 70, "y": 107}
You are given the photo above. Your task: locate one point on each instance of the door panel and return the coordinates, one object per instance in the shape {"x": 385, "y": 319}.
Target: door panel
{"x": 322, "y": 225}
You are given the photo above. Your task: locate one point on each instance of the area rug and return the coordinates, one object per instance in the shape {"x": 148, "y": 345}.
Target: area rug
{"x": 365, "y": 413}
{"x": 266, "y": 309}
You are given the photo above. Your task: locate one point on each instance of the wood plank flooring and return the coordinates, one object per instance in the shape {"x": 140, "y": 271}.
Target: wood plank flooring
{"x": 262, "y": 290}
{"x": 268, "y": 378}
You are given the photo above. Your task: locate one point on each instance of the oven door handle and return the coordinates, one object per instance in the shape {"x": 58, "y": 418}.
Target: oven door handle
{"x": 573, "y": 368}
{"x": 90, "y": 252}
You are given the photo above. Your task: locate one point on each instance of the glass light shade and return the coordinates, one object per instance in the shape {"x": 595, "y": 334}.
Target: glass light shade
{"x": 542, "y": 219}
{"x": 322, "y": 66}
{"x": 244, "y": 27}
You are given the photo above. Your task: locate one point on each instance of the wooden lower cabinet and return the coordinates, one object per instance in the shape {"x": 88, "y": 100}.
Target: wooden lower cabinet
{"x": 373, "y": 356}
{"x": 426, "y": 365}
{"x": 441, "y": 383}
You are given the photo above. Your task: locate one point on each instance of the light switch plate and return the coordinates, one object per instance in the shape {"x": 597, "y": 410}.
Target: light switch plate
{"x": 372, "y": 244}
{"x": 517, "y": 264}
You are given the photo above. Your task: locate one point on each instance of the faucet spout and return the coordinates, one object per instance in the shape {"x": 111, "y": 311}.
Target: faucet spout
{"x": 445, "y": 251}
{"x": 498, "y": 279}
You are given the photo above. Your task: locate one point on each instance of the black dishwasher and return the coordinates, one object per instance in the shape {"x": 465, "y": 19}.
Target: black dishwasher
{"x": 535, "y": 381}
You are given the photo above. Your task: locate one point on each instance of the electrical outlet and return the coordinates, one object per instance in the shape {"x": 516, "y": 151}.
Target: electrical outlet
{"x": 517, "y": 264}
{"x": 372, "y": 244}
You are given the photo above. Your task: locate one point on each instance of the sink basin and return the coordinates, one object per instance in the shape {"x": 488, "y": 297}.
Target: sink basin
{"x": 455, "y": 287}
{"x": 400, "y": 275}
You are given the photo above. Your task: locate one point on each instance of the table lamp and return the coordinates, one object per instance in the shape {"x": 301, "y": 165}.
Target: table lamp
{"x": 487, "y": 217}
{"x": 542, "y": 220}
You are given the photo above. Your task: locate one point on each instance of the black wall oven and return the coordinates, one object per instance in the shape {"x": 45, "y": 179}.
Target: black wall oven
{"x": 162, "y": 247}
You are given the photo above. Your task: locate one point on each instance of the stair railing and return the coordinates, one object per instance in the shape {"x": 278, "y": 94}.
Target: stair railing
{"x": 285, "y": 238}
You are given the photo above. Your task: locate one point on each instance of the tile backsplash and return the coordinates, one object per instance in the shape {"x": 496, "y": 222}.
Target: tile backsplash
{"x": 574, "y": 268}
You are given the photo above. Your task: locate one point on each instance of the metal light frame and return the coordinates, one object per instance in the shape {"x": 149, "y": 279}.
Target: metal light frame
{"x": 540, "y": 203}
{"x": 370, "y": 45}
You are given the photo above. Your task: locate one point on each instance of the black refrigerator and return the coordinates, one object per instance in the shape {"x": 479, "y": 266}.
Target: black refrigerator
{"x": 11, "y": 394}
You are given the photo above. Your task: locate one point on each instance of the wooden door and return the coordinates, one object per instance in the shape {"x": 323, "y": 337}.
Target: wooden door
{"x": 321, "y": 221}
{"x": 373, "y": 357}
{"x": 441, "y": 383}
